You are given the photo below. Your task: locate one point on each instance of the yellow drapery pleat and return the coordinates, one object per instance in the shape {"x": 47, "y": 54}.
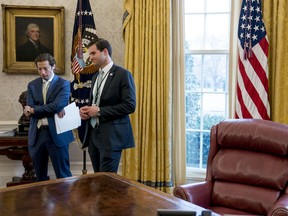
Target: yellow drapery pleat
{"x": 275, "y": 15}
{"x": 146, "y": 31}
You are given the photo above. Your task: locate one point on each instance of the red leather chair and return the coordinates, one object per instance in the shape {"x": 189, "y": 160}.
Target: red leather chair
{"x": 247, "y": 170}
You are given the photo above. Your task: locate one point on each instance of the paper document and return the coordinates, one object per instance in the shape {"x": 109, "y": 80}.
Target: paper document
{"x": 70, "y": 121}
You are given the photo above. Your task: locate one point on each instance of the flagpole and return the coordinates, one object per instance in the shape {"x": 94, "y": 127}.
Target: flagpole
{"x": 83, "y": 32}
{"x": 84, "y": 171}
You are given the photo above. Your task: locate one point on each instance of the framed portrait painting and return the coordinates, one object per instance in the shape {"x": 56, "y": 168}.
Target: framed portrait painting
{"x": 29, "y": 31}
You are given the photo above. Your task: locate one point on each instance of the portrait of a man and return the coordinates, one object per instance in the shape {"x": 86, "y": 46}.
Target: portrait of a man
{"x": 32, "y": 39}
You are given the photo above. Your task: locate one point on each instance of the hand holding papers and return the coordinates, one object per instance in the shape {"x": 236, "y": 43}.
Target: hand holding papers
{"x": 69, "y": 121}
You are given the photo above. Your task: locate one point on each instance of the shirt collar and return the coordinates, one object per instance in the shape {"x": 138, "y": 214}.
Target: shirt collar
{"x": 107, "y": 68}
{"x": 49, "y": 79}
{"x": 34, "y": 42}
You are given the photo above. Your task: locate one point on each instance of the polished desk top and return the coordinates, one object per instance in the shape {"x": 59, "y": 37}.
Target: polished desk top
{"x": 92, "y": 194}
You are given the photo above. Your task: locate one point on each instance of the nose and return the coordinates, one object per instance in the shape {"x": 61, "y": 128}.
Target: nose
{"x": 42, "y": 71}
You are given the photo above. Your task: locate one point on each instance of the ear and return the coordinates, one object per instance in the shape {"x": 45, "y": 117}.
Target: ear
{"x": 106, "y": 51}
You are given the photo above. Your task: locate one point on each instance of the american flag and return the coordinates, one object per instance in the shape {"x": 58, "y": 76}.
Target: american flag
{"x": 83, "y": 69}
{"x": 252, "y": 78}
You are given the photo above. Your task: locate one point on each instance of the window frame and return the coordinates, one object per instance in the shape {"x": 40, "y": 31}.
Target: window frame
{"x": 198, "y": 174}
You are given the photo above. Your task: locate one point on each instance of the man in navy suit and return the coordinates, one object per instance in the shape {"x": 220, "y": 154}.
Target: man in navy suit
{"x": 46, "y": 96}
{"x": 112, "y": 99}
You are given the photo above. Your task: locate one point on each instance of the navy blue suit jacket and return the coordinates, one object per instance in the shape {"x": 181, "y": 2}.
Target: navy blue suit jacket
{"x": 117, "y": 101}
{"x": 57, "y": 98}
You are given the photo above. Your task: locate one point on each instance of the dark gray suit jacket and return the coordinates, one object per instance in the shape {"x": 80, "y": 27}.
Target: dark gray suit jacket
{"x": 117, "y": 101}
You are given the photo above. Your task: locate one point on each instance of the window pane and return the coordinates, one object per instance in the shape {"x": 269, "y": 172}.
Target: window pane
{"x": 193, "y": 69}
{"x": 214, "y": 103}
{"x": 193, "y": 149}
{"x": 194, "y": 6}
{"x": 193, "y": 110}
{"x": 210, "y": 119}
{"x": 206, "y": 147}
{"x": 217, "y": 31}
{"x": 194, "y": 31}
{"x": 218, "y": 6}
{"x": 214, "y": 73}
{"x": 214, "y": 109}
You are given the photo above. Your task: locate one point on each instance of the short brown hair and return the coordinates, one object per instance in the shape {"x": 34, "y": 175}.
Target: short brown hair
{"x": 101, "y": 44}
{"x": 45, "y": 57}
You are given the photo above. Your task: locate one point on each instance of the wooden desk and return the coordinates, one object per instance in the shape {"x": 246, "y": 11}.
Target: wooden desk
{"x": 93, "y": 194}
{"x": 16, "y": 148}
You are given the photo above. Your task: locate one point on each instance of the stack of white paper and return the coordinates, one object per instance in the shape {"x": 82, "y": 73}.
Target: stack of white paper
{"x": 7, "y": 132}
{"x": 70, "y": 121}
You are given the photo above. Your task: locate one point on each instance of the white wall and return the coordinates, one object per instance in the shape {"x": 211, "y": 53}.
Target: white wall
{"x": 108, "y": 20}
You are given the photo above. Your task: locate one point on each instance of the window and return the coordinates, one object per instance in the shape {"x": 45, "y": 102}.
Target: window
{"x": 207, "y": 31}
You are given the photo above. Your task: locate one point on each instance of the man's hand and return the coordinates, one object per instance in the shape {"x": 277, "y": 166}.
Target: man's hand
{"x": 28, "y": 111}
{"x": 61, "y": 114}
{"x": 87, "y": 112}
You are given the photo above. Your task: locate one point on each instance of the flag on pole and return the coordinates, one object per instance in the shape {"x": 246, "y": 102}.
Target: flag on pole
{"x": 83, "y": 69}
{"x": 252, "y": 99}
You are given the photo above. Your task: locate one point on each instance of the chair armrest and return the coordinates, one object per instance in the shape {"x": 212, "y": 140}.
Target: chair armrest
{"x": 281, "y": 207}
{"x": 197, "y": 193}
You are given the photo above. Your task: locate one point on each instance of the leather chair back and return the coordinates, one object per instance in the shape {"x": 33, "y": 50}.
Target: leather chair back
{"x": 248, "y": 164}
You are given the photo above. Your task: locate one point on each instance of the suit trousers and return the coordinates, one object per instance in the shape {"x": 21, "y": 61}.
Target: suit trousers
{"x": 103, "y": 160}
{"x": 45, "y": 148}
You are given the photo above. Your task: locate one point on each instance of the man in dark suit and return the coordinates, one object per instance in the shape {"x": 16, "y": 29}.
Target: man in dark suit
{"x": 112, "y": 99}
{"x": 46, "y": 96}
{"x": 32, "y": 48}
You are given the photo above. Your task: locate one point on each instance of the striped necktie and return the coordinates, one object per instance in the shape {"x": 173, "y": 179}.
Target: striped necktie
{"x": 98, "y": 87}
{"x": 96, "y": 96}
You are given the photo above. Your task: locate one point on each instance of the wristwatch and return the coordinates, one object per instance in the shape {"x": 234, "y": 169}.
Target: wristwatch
{"x": 98, "y": 113}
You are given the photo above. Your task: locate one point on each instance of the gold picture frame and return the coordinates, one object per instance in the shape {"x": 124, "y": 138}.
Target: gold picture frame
{"x": 16, "y": 19}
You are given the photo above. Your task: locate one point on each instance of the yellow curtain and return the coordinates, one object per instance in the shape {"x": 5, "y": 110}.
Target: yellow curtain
{"x": 275, "y": 15}
{"x": 146, "y": 31}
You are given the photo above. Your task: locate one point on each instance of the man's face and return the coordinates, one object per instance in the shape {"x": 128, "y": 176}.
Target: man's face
{"x": 34, "y": 33}
{"x": 97, "y": 57}
{"x": 45, "y": 70}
